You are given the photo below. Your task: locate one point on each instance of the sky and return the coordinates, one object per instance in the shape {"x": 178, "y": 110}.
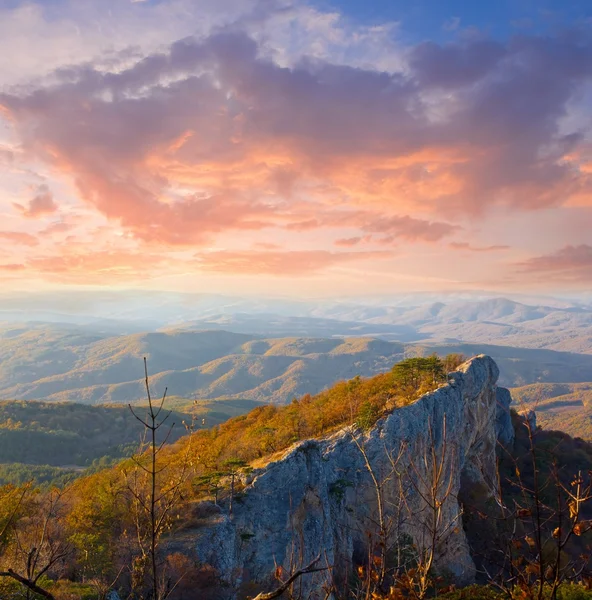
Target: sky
{"x": 300, "y": 148}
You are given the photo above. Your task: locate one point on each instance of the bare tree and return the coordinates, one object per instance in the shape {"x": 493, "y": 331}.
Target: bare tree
{"x": 285, "y": 586}
{"x": 540, "y": 517}
{"x": 430, "y": 477}
{"x": 155, "y": 492}
{"x": 388, "y": 516}
{"x": 36, "y": 546}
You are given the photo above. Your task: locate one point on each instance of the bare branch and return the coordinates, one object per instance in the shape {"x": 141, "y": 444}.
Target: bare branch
{"x": 28, "y": 584}
{"x": 310, "y": 568}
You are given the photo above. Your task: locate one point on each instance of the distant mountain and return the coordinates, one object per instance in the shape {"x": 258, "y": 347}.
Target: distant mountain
{"x": 493, "y": 321}
{"x": 273, "y": 325}
{"x": 54, "y": 364}
{"x": 564, "y": 406}
{"x": 57, "y": 366}
{"x": 213, "y": 347}
{"x": 531, "y": 322}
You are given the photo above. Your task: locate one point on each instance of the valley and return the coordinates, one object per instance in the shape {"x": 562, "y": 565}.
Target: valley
{"x": 248, "y": 387}
{"x": 57, "y": 364}
{"x": 219, "y": 358}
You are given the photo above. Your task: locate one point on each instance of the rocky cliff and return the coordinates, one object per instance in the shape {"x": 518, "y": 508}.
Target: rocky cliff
{"x": 334, "y": 496}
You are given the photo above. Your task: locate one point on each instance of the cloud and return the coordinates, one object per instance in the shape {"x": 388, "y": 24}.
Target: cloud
{"x": 276, "y": 121}
{"x": 42, "y": 204}
{"x": 6, "y": 155}
{"x": 453, "y": 66}
{"x": 348, "y": 242}
{"x": 213, "y": 135}
{"x": 571, "y": 264}
{"x": 470, "y": 247}
{"x": 12, "y": 267}
{"x": 17, "y": 237}
{"x": 84, "y": 267}
{"x": 58, "y": 227}
{"x": 37, "y": 37}
{"x": 410, "y": 228}
{"x": 283, "y": 263}
{"x": 451, "y": 24}
{"x": 266, "y": 246}
{"x": 387, "y": 230}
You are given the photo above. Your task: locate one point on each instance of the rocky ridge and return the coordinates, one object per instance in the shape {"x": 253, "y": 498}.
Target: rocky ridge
{"x": 319, "y": 497}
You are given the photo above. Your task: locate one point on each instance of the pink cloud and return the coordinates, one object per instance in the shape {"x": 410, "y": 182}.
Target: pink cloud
{"x": 572, "y": 264}
{"x": 17, "y": 237}
{"x": 410, "y": 228}
{"x": 283, "y": 263}
{"x": 304, "y": 225}
{"x": 42, "y": 204}
{"x": 471, "y": 248}
{"x": 348, "y": 242}
{"x": 59, "y": 227}
{"x": 233, "y": 139}
{"x": 12, "y": 267}
{"x": 266, "y": 246}
{"x": 211, "y": 141}
{"x": 83, "y": 267}
{"x": 6, "y": 155}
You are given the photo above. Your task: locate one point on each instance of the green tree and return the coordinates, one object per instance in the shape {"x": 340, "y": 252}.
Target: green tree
{"x": 233, "y": 468}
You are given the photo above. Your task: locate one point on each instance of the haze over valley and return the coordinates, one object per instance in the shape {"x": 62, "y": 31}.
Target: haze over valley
{"x": 212, "y": 348}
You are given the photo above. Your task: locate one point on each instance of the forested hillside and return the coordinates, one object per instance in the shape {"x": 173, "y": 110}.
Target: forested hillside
{"x": 563, "y": 406}
{"x": 48, "y": 442}
{"x": 527, "y": 322}
{"x": 53, "y": 363}
{"x": 100, "y": 526}
{"x": 64, "y": 434}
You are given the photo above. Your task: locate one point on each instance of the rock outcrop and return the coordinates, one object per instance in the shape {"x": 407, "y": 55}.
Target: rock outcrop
{"x": 504, "y": 427}
{"x": 320, "y": 497}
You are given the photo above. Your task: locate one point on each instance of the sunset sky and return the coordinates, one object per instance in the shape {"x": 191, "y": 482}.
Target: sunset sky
{"x": 296, "y": 147}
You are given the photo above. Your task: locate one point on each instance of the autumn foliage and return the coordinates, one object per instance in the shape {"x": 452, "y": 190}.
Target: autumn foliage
{"x": 95, "y": 533}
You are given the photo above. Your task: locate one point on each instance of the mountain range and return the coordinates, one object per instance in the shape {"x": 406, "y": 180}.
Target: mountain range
{"x": 62, "y": 363}
{"x": 554, "y": 324}
{"x": 211, "y": 348}
{"x": 563, "y": 406}
{"x": 494, "y": 321}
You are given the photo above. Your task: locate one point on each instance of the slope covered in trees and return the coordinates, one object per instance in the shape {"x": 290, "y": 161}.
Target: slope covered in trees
{"x": 564, "y": 406}
{"x": 50, "y": 363}
{"x": 64, "y": 434}
{"x": 98, "y": 529}
{"x": 104, "y": 527}
{"x": 55, "y": 442}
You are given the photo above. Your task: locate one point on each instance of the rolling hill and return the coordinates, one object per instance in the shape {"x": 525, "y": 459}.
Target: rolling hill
{"x": 54, "y": 442}
{"x": 520, "y": 321}
{"x": 497, "y": 321}
{"x": 55, "y": 363}
{"x": 563, "y": 406}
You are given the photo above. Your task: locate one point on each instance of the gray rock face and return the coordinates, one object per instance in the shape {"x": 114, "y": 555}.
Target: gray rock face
{"x": 319, "y": 498}
{"x": 530, "y": 418}
{"x": 504, "y": 427}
